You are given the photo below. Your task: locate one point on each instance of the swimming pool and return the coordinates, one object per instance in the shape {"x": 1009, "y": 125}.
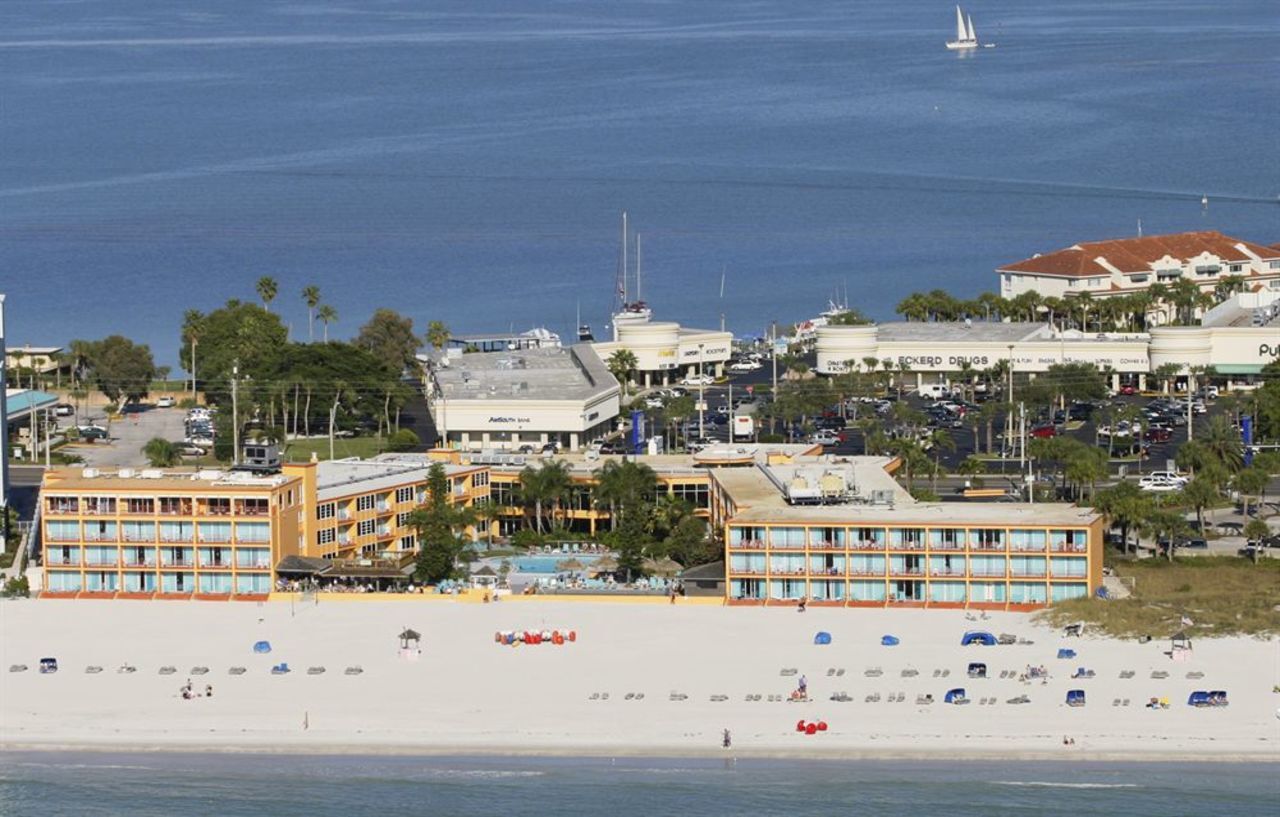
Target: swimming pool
{"x": 542, "y": 564}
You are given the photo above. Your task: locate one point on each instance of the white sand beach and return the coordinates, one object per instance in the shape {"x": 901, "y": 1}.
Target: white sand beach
{"x": 467, "y": 694}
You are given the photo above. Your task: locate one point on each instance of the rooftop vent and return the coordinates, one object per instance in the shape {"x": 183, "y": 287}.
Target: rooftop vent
{"x": 125, "y": 473}
{"x": 90, "y": 473}
{"x": 151, "y": 473}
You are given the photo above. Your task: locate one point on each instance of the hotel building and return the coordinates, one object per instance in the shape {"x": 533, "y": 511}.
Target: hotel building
{"x": 1127, "y": 265}
{"x": 167, "y": 534}
{"x": 217, "y": 535}
{"x": 842, "y": 532}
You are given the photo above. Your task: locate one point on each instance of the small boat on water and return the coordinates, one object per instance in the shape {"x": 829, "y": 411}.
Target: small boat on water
{"x": 966, "y": 37}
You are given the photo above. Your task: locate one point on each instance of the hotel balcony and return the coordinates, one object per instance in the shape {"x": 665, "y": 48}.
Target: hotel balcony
{"x": 129, "y": 536}
{"x": 176, "y": 509}
{"x": 986, "y": 573}
{"x": 99, "y": 537}
{"x": 864, "y": 571}
{"x": 103, "y": 561}
{"x": 948, "y": 546}
{"x": 906, "y": 571}
{"x": 138, "y": 510}
{"x": 866, "y": 544}
{"x": 215, "y": 539}
{"x": 997, "y": 547}
{"x": 134, "y": 561}
{"x": 826, "y": 546}
{"x": 1069, "y": 547}
{"x": 1026, "y": 548}
{"x": 169, "y": 561}
{"x": 62, "y": 509}
{"x": 950, "y": 572}
{"x": 58, "y": 561}
{"x": 748, "y": 544}
{"x": 1028, "y": 574}
{"x": 912, "y": 546}
{"x": 344, "y": 515}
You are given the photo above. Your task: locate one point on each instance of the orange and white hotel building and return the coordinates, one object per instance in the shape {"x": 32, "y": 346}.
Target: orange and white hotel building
{"x": 213, "y": 534}
{"x": 842, "y": 532}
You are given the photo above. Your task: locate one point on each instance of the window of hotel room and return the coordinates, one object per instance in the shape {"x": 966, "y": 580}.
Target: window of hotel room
{"x": 906, "y": 537}
{"x": 826, "y": 537}
{"x": 952, "y": 538}
{"x": 1065, "y": 592}
{"x": 1068, "y": 539}
{"x": 366, "y": 502}
{"x": 867, "y": 536}
{"x": 404, "y": 494}
{"x": 786, "y": 537}
{"x": 746, "y": 534}
{"x": 1027, "y": 540}
{"x": 988, "y": 538}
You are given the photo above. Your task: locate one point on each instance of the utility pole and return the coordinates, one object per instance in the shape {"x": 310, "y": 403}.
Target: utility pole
{"x": 1008, "y": 437}
{"x": 194, "y": 341}
{"x": 1191, "y": 384}
{"x": 702, "y": 433}
{"x": 235, "y": 413}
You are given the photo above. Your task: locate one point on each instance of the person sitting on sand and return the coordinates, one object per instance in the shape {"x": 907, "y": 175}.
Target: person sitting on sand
{"x": 208, "y": 690}
{"x": 800, "y": 609}
{"x": 727, "y": 740}
{"x": 804, "y": 686}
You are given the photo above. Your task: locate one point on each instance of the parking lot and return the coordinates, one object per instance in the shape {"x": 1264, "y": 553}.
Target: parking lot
{"x": 125, "y": 436}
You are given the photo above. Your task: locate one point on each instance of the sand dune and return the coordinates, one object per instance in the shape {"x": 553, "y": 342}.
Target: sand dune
{"x": 467, "y": 694}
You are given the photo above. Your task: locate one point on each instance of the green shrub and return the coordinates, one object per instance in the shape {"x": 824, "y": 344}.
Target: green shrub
{"x": 772, "y": 438}
{"x": 526, "y": 538}
{"x": 17, "y": 587}
{"x": 403, "y": 440}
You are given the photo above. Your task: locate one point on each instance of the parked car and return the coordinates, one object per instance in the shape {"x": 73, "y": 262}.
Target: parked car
{"x": 191, "y": 450}
{"x": 699, "y": 380}
{"x": 1158, "y": 434}
{"x": 165, "y": 402}
{"x": 1128, "y": 388}
{"x": 743, "y": 366}
{"x": 64, "y": 410}
{"x": 826, "y": 437}
{"x": 1195, "y": 544}
{"x": 92, "y": 432}
{"x": 1044, "y": 431}
{"x": 1156, "y": 484}
{"x": 653, "y": 402}
{"x": 1172, "y": 476}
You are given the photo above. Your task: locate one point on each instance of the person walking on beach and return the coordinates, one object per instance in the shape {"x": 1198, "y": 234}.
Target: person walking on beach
{"x": 728, "y": 739}
{"x": 804, "y": 686}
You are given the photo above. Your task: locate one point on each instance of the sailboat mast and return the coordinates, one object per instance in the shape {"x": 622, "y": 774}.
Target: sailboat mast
{"x": 624, "y": 258}
{"x": 972, "y": 36}
{"x": 639, "y": 297}
{"x": 960, "y": 29}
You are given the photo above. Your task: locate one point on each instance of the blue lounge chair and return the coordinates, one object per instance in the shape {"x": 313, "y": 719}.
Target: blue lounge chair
{"x": 1075, "y": 697}
{"x": 956, "y": 696}
{"x": 1066, "y": 654}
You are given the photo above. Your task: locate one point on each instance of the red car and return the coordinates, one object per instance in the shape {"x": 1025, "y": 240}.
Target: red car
{"x": 1128, "y": 389}
{"x": 1158, "y": 435}
{"x": 1044, "y": 431}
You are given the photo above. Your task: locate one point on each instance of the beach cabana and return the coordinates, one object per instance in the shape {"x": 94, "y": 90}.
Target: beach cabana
{"x": 569, "y": 565}
{"x": 1180, "y": 641}
{"x": 410, "y": 639}
{"x": 977, "y": 670}
{"x": 1198, "y": 698}
{"x": 48, "y": 665}
{"x": 1217, "y": 697}
{"x": 955, "y": 696}
{"x": 889, "y": 641}
{"x": 665, "y": 567}
{"x": 1075, "y": 697}
{"x": 262, "y": 647}
{"x": 822, "y": 638}
{"x": 978, "y": 637}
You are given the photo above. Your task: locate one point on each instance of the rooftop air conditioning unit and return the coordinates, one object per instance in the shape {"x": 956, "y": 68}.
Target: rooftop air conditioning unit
{"x": 125, "y": 473}
{"x": 151, "y": 473}
{"x": 90, "y": 473}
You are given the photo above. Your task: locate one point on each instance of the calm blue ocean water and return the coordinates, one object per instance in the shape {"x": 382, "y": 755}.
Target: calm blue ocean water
{"x": 468, "y": 159}
{"x": 142, "y": 785}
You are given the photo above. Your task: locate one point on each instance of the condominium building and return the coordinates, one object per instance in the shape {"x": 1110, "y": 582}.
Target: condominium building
{"x": 844, "y": 533}
{"x": 166, "y": 534}
{"x": 1127, "y": 265}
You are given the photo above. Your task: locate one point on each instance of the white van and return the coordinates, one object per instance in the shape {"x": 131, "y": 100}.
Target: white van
{"x": 744, "y": 425}
{"x": 934, "y": 391}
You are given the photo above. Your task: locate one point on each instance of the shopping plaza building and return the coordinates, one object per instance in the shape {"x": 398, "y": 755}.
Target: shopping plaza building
{"x": 1236, "y": 339}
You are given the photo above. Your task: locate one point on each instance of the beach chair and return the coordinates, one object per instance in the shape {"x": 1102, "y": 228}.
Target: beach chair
{"x": 354, "y": 670}
{"x": 48, "y": 665}
{"x": 236, "y": 671}
{"x": 315, "y": 670}
{"x": 280, "y": 669}
{"x": 168, "y": 670}
{"x": 92, "y": 670}
{"x": 127, "y": 669}
{"x": 17, "y": 668}
{"x": 199, "y": 670}
{"x": 910, "y": 673}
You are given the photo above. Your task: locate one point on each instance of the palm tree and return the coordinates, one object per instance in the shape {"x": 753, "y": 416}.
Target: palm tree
{"x": 939, "y": 441}
{"x": 547, "y": 483}
{"x": 1126, "y": 505}
{"x": 437, "y": 335}
{"x": 267, "y": 289}
{"x": 327, "y": 315}
{"x": 623, "y": 486}
{"x": 1223, "y": 442}
{"x": 621, "y": 364}
{"x": 311, "y": 296}
{"x": 161, "y": 453}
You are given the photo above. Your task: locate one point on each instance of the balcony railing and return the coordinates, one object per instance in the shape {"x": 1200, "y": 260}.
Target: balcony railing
{"x": 827, "y": 571}
{"x": 987, "y": 573}
{"x": 826, "y": 545}
{"x": 946, "y": 546}
{"x": 344, "y": 515}
{"x": 139, "y": 510}
{"x": 778, "y": 546}
{"x": 99, "y": 537}
{"x": 176, "y": 510}
{"x": 63, "y": 510}
{"x": 215, "y": 538}
{"x": 989, "y": 546}
{"x": 102, "y": 561}
{"x": 906, "y": 571}
{"x": 1027, "y": 548}
{"x": 1069, "y": 547}
{"x": 136, "y": 536}
{"x": 946, "y": 571}
{"x": 169, "y": 561}
{"x": 1028, "y": 574}
{"x": 134, "y": 561}
{"x": 61, "y": 561}
{"x": 748, "y": 544}
{"x": 866, "y": 544}
{"x": 907, "y": 546}
{"x": 99, "y": 511}
{"x": 866, "y": 571}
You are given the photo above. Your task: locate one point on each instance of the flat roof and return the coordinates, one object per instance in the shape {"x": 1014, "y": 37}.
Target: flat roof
{"x": 345, "y": 477}
{"x": 560, "y": 373}
{"x": 665, "y": 465}
{"x": 156, "y": 479}
{"x": 758, "y": 495}
{"x": 935, "y": 331}
{"x": 20, "y": 402}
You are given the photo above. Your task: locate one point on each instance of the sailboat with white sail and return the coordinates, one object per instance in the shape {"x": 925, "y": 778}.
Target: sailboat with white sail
{"x": 966, "y": 37}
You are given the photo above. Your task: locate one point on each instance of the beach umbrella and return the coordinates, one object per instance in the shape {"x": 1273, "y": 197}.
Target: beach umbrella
{"x": 662, "y": 567}
{"x": 569, "y": 564}
{"x": 605, "y": 564}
